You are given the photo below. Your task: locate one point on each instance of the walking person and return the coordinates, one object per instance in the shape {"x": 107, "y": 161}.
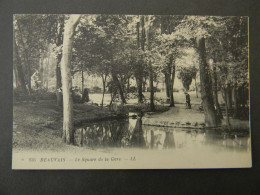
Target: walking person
{"x": 188, "y": 105}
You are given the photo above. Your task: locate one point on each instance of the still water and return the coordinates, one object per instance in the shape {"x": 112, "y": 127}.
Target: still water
{"x": 130, "y": 133}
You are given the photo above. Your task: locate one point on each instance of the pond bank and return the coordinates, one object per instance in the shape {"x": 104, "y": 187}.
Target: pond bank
{"x": 39, "y": 125}
{"x": 180, "y": 117}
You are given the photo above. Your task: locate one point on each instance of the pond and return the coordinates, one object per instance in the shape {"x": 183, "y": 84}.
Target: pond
{"x": 130, "y": 133}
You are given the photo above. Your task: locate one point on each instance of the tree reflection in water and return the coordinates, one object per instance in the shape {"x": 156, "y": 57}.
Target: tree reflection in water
{"x": 131, "y": 133}
{"x": 137, "y": 139}
{"x": 169, "y": 140}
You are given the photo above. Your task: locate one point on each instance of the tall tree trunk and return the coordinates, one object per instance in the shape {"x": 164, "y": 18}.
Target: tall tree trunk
{"x": 121, "y": 92}
{"x": 235, "y": 114}
{"x": 47, "y": 69}
{"x": 140, "y": 70}
{"x": 82, "y": 82}
{"x": 29, "y": 76}
{"x": 59, "y": 41}
{"x": 69, "y": 30}
{"x": 152, "y": 107}
{"x": 229, "y": 96}
{"x": 26, "y": 59}
{"x": 172, "y": 83}
{"x": 104, "y": 78}
{"x": 128, "y": 85}
{"x": 138, "y": 34}
{"x": 206, "y": 85}
{"x": 166, "y": 73}
{"x": 41, "y": 69}
{"x": 113, "y": 94}
{"x": 167, "y": 85}
{"x": 144, "y": 83}
{"x": 215, "y": 90}
{"x": 139, "y": 73}
{"x": 142, "y": 33}
{"x": 196, "y": 87}
{"x": 224, "y": 95}
{"x": 140, "y": 87}
{"x": 18, "y": 66}
{"x": 166, "y": 28}
{"x": 58, "y": 82}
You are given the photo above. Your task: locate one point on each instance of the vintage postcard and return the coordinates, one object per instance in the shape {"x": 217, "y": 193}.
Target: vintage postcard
{"x": 130, "y": 92}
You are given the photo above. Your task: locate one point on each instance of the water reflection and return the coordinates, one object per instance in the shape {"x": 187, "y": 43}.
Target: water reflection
{"x": 169, "y": 140}
{"x": 137, "y": 138}
{"x": 131, "y": 133}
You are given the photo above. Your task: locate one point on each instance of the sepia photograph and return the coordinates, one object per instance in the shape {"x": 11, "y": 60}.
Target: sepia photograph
{"x": 100, "y": 91}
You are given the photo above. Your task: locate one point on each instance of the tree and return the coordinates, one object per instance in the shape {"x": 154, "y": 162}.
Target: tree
{"x": 112, "y": 45}
{"x": 228, "y": 49}
{"x": 215, "y": 89}
{"x": 206, "y": 85}
{"x": 85, "y": 59}
{"x": 139, "y": 70}
{"x": 199, "y": 30}
{"x": 18, "y": 70}
{"x": 237, "y": 47}
{"x": 169, "y": 48}
{"x": 33, "y": 33}
{"x": 69, "y": 31}
{"x": 186, "y": 75}
{"x": 58, "y": 42}
{"x": 151, "y": 76}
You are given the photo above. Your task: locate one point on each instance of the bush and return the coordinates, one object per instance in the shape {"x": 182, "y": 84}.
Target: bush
{"x": 96, "y": 89}
{"x": 35, "y": 95}
{"x": 132, "y": 89}
{"x": 19, "y": 95}
{"x": 76, "y": 95}
{"x": 43, "y": 94}
{"x": 155, "y": 89}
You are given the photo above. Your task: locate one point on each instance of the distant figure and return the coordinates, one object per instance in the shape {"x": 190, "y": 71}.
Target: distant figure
{"x": 201, "y": 106}
{"x": 187, "y": 100}
{"x": 85, "y": 96}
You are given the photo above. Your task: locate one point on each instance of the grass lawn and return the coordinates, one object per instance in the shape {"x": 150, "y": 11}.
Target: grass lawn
{"x": 39, "y": 126}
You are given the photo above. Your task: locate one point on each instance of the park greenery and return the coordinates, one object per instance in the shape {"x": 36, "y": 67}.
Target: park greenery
{"x": 121, "y": 48}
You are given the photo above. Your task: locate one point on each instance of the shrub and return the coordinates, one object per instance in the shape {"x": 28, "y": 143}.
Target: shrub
{"x": 35, "y": 95}
{"x": 19, "y": 95}
{"x": 76, "y": 97}
{"x": 155, "y": 89}
{"x": 96, "y": 89}
{"x": 132, "y": 89}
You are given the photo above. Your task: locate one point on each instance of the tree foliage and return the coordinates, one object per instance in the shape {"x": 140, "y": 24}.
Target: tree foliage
{"x": 186, "y": 75}
{"x": 119, "y": 48}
